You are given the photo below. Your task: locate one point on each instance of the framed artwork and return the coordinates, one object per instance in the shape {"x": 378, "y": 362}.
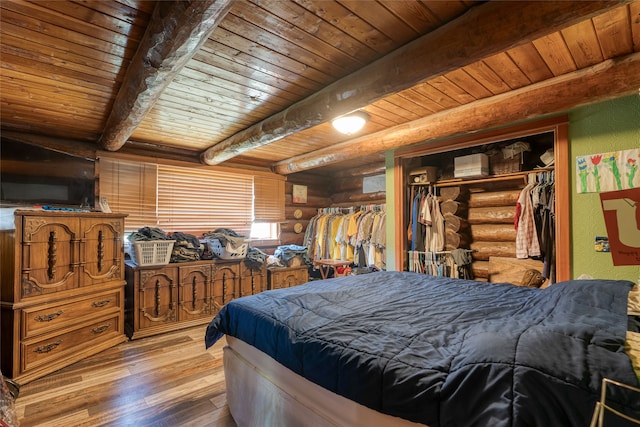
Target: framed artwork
{"x": 299, "y": 193}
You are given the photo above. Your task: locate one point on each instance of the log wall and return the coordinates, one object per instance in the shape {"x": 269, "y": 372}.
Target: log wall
{"x": 318, "y": 196}
{"x": 491, "y": 217}
{"x": 454, "y": 202}
{"x": 343, "y": 189}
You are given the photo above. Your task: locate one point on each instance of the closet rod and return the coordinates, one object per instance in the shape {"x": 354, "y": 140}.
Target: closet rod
{"x": 375, "y": 207}
{"x": 442, "y": 252}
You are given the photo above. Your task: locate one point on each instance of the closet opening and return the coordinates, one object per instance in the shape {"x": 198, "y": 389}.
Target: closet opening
{"x": 477, "y": 182}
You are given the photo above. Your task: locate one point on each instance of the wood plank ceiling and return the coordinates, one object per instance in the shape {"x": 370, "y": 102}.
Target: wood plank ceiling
{"x": 255, "y": 83}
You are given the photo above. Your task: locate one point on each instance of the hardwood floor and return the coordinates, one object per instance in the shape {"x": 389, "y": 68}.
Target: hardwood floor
{"x": 166, "y": 380}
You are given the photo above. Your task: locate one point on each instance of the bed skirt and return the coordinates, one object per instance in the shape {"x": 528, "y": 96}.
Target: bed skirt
{"x": 262, "y": 392}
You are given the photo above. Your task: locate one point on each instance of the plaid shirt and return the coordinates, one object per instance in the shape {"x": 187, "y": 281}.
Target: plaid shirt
{"x": 527, "y": 244}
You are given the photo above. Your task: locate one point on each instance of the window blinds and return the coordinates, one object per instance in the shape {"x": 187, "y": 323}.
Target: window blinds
{"x": 268, "y": 199}
{"x": 198, "y": 200}
{"x": 189, "y": 199}
{"x": 130, "y": 188}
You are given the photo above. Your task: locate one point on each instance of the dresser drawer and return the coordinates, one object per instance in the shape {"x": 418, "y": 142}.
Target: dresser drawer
{"x": 45, "y": 318}
{"x": 253, "y": 279}
{"x": 287, "y": 277}
{"x": 36, "y": 353}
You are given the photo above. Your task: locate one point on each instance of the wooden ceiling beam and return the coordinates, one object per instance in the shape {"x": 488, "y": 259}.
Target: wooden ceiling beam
{"x": 175, "y": 33}
{"x": 484, "y": 30}
{"x": 607, "y": 80}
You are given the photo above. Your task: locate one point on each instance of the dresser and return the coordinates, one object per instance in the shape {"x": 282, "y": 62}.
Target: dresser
{"x": 62, "y": 290}
{"x": 179, "y": 295}
{"x": 286, "y": 277}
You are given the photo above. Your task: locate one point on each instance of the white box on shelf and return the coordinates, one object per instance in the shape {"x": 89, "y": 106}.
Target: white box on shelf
{"x": 473, "y": 165}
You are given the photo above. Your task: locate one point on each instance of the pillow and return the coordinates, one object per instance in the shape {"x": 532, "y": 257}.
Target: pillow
{"x": 633, "y": 305}
{"x": 632, "y": 348}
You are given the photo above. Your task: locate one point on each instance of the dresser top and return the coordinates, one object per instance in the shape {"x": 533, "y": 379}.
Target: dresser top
{"x": 61, "y": 213}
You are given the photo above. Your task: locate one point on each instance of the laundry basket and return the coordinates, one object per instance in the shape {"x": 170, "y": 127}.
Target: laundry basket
{"x": 227, "y": 251}
{"x": 152, "y": 252}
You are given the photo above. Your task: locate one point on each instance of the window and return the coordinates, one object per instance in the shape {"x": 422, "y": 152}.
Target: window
{"x": 268, "y": 199}
{"x": 192, "y": 200}
{"x": 268, "y": 207}
{"x": 199, "y": 200}
{"x": 264, "y": 230}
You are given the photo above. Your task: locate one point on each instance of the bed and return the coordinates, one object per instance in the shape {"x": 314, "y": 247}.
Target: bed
{"x": 405, "y": 349}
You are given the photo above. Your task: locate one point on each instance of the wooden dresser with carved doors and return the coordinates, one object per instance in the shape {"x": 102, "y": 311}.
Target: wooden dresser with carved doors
{"x": 179, "y": 295}
{"x": 62, "y": 290}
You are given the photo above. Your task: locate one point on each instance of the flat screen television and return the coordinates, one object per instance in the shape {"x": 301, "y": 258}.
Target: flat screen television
{"x": 32, "y": 175}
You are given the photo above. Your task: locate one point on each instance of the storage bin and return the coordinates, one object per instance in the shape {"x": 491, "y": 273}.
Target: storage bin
{"x": 227, "y": 251}
{"x": 470, "y": 166}
{"x": 499, "y": 165}
{"x": 152, "y": 252}
{"x": 509, "y": 159}
{"x": 424, "y": 175}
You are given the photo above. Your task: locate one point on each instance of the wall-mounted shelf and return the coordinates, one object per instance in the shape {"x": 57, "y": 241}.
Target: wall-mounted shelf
{"x": 522, "y": 175}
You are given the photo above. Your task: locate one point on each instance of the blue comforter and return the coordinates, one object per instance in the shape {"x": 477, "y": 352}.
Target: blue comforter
{"x": 446, "y": 352}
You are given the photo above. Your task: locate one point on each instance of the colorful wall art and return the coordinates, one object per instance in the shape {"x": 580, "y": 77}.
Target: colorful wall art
{"x": 622, "y": 217}
{"x": 612, "y": 171}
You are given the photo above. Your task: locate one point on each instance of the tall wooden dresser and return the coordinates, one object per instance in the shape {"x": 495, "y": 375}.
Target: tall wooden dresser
{"x": 62, "y": 290}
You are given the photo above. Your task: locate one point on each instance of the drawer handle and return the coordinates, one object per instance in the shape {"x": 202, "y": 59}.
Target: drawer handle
{"x": 52, "y": 255}
{"x": 47, "y": 348}
{"x": 100, "y": 250}
{"x": 98, "y": 304}
{"x": 101, "y": 329}
{"x": 48, "y": 317}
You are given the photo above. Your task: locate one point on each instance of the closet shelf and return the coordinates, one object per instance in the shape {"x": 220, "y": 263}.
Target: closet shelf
{"x": 514, "y": 176}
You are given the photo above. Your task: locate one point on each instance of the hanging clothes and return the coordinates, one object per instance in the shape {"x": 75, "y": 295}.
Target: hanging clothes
{"x": 527, "y": 244}
{"x": 436, "y": 238}
{"x": 356, "y": 234}
{"x": 463, "y": 260}
{"x": 535, "y": 222}
{"x": 427, "y": 223}
{"x": 547, "y": 228}
{"x": 417, "y": 230}
{"x": 455, "y": 264}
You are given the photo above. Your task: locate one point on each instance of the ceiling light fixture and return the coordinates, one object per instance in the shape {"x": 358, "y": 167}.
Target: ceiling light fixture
{"x": 350, "y": 123}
